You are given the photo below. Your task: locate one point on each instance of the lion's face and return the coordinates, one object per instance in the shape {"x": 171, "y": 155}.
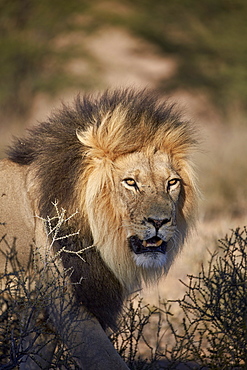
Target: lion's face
{"x": 137, "y": 190}
{"x": 148, "y": 191}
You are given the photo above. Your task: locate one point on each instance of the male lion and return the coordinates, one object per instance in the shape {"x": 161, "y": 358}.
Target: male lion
{"x": 120, "y": 164}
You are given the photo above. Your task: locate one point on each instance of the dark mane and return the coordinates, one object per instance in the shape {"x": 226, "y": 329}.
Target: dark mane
{"x": 57, "y": 154}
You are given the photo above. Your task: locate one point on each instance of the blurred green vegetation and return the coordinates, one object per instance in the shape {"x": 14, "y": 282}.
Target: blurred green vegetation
{"x": 35, "y": 49}
{"x": 206, "y": 38}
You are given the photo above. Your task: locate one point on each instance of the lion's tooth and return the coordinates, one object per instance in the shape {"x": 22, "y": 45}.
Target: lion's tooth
{"x": 144, "y": 243}
{"x": 159, "y": 243}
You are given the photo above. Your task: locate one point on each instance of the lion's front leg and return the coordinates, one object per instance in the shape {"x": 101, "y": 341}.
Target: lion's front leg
{"x": 42, "y": 351}
{"x": 85, "y": 339}
{"x": 77, "y": 328}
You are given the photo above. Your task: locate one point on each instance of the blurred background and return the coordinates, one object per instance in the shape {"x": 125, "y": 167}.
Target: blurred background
{"x": 193, "y": 52}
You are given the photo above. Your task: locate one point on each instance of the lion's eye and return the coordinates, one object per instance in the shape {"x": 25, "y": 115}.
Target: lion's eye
{"x": 173, "y": 182}
{"x": 130, "y": 182}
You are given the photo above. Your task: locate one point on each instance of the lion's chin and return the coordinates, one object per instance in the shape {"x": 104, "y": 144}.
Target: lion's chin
{"x": 150, "y": 253}
{"x": 150, "y": 260}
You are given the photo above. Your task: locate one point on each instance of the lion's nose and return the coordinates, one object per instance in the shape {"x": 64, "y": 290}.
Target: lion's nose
{"x": 158, "y": 223}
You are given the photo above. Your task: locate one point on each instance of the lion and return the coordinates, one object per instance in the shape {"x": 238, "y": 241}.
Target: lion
{"x": 120, "y": 163}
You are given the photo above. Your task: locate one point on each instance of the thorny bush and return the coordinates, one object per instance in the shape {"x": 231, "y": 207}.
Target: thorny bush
{"x": 214, "y": 328}
{"x": 212, "y": 334}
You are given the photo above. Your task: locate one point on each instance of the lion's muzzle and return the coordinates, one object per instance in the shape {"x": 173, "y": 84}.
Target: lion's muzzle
{"x": 155, "y": 236}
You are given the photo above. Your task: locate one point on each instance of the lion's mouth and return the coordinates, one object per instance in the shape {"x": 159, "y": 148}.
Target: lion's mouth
{"x": 154, "y": 244}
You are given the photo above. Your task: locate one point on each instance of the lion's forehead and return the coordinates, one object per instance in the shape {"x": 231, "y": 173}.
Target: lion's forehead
{"x": 145, "y": 168}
